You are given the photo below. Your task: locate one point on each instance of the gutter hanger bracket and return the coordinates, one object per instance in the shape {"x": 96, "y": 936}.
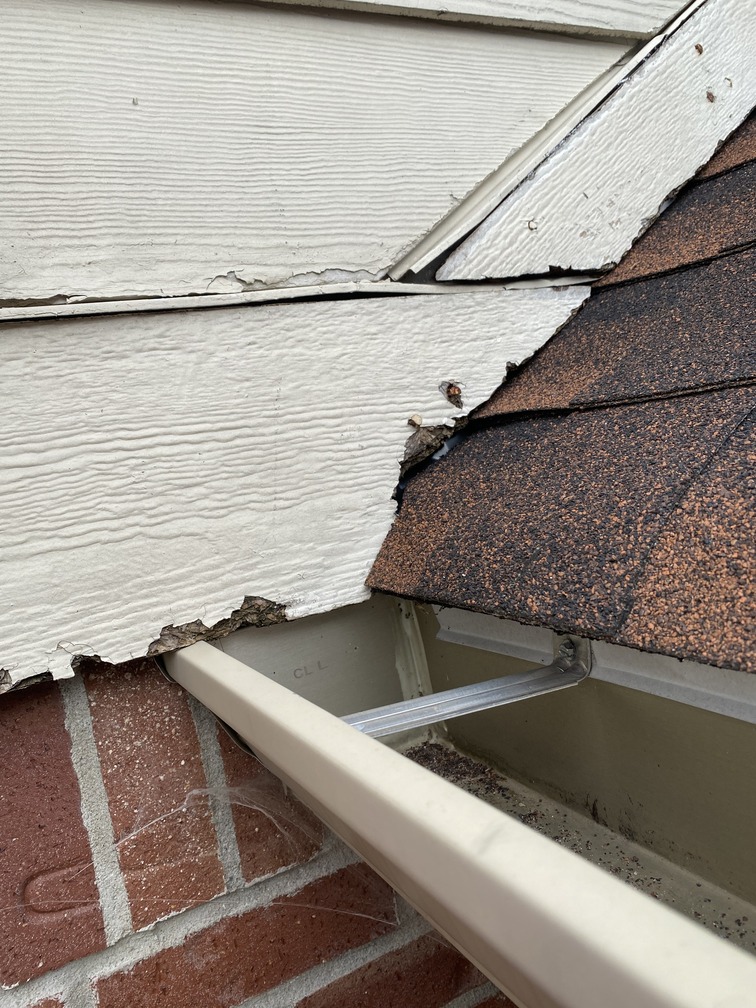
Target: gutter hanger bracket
{"x": 572, "y": 663}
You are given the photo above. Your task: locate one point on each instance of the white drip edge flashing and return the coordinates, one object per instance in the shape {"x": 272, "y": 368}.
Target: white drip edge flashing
{"x": 548, "y": 928}
{"x": 722, "y": 691}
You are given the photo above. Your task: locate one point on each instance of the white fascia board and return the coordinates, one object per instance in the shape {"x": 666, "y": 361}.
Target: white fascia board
{"x": 158, "y": 468}
{"x": 622, "y": 18}
{"x": 549, "y": 928}
{"x": 586, "y": 203}
{"x": 723, "y": 691}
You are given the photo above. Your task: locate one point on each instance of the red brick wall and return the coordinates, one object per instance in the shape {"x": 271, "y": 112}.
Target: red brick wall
{"x": 146, "y": 861}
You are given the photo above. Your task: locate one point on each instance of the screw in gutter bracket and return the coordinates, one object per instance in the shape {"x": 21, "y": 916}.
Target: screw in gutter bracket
{"x": 572, "y": 654}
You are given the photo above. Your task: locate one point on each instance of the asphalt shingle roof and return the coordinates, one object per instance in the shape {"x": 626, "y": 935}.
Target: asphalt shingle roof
{"x": 607, "y": 488}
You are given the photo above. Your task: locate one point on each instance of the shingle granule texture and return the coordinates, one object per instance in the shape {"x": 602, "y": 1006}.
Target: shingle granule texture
{"x": 695, "y": 228}
{"x": 738, "y": 149}
{"x": 659, "y": 336}
{"x": 607, "y": 489}
{"x": 515, "y": 522}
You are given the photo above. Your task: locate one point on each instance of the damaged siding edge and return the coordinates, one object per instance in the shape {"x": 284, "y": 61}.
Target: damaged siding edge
{"x": 199, "y": 478}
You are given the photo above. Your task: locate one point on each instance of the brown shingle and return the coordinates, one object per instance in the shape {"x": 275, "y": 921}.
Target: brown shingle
{"x": 737, "y": 150}
{"x": 697, "y": 592}
{"x": 550, "y": 520}
{"x": 606, "y": 489}
{"x": 654, "y": 337}
{"x": 708, "y": 219}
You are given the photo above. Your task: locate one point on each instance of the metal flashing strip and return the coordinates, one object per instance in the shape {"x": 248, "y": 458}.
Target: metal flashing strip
{"x": 722, "y": 691}
{"x": 571, "y": 665}
{"x": 489, "y": 633}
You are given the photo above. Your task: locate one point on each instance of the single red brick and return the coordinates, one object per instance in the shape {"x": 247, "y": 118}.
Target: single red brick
{"x": 273, "y": 830}
{"x": 49, "y": 905}
{"x": 157, "y": 792}
{"x": 428, "y": 973}
{"x": 242, "y": 956}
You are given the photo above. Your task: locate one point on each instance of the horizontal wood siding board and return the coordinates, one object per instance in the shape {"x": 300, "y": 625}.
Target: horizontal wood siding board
{"x": 158, "y": 149}
{"x": 586, "y": 203}
{"x": 159, "y": 468}
{"x": 627, "y": 18}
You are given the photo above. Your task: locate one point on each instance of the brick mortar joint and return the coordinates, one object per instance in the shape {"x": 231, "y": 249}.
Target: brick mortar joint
{"x": 171, "y": 932}
{"x": 410, "y": 927}
{"x": 95, "y": 811}
{"x": 220, "y": 806}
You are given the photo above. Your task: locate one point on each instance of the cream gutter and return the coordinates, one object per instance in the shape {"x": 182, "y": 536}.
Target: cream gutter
{"x": 550, "y": 929}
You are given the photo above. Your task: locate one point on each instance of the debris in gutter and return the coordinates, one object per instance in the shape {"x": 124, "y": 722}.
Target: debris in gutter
{"x": 612, "y": 849}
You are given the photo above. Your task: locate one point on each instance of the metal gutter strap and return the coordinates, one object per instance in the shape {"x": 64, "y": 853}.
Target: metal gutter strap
{"x": 571, "y": 665}
{"x": 550, "y": 929}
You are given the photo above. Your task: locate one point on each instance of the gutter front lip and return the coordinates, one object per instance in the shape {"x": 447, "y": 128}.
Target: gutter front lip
{"x": 550, "y": 929}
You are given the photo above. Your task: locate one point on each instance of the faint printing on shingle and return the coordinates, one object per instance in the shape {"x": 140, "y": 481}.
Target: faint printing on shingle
{"x": 452, "y": 391}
